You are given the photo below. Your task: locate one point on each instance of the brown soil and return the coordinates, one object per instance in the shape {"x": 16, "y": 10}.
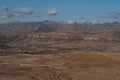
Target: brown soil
{"x": 64, "y": 66}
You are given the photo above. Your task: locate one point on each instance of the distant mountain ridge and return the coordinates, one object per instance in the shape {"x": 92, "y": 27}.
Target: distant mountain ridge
{"x": 51, "y": 26}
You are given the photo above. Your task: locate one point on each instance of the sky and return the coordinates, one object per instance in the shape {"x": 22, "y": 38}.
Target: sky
{"x": 59, "y": 10}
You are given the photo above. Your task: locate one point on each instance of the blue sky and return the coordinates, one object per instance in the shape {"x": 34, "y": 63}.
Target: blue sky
{"x": 59, "y": 10}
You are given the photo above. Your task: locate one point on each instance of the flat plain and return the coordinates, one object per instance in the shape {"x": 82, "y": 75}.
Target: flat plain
{"x": 67, "y": 66}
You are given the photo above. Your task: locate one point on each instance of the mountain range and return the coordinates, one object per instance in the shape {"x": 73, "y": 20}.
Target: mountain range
{"x": 52, "y": 26}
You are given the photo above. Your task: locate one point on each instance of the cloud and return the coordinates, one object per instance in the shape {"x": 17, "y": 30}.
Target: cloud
{"x": 18, "y": 15}
{"x": 10, "y": 15}
{"x": 52, "y": 12}
{"x": 7, "y": 15}
{"x": 4, "y": 9}
{"x": 113, "y": 15}
{"x": 24, "y": 10}
{"x": 70, "y": 22}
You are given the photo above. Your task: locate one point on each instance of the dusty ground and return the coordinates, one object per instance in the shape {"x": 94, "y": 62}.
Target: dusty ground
{"x": 67, "y": 66}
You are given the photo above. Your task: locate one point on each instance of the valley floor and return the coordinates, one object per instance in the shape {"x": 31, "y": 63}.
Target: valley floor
{"x": 63, "y": 66}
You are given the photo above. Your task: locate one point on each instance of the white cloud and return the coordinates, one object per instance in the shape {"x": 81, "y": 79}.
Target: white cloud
{"x": 52, "y": 12}
{"x": 6, "y": 12}
{"x": 24, "y": 11}
{"x": 7, "y": 15}
{"x": 70, "y": 22}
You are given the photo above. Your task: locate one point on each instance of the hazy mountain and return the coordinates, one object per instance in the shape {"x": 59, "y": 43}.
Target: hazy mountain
{"x": 51, "y": 26}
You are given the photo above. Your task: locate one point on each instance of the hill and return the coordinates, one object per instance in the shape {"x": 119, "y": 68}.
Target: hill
{"x": 54, "y": 37}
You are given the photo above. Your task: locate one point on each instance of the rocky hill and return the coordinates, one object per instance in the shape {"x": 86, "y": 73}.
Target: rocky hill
{"x": 54, "y": 37}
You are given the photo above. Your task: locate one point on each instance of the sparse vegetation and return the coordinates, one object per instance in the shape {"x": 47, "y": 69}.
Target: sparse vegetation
{"x": 75, "y": 54}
